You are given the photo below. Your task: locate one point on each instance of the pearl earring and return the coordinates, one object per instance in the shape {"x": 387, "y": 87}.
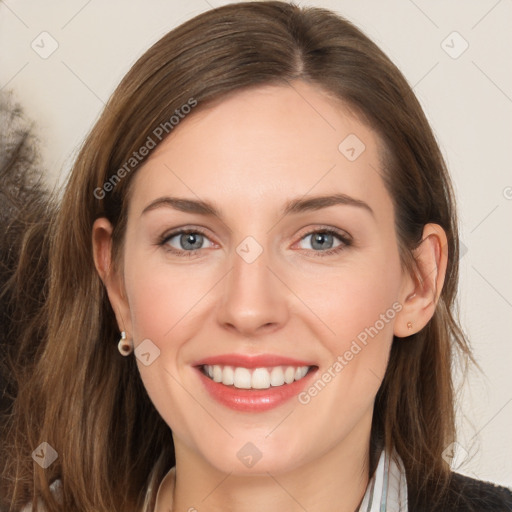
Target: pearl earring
{"x": 125, "y": 347}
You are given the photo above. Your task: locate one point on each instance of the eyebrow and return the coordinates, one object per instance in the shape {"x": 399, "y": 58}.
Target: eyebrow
{"x": 293, "y": 206}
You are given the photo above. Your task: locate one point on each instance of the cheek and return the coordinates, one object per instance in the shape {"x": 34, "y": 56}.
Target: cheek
{"x": 359, "y": 308}
{"x": 358, "y": 304}
{"x": 165, "y": 303}
{"x": 355, "y": 299}
{"x": 160, "y": 297}
{"x": 161, "y": 310}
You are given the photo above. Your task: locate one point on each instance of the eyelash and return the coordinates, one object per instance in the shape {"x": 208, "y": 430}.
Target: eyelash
{"x": 346, "y": 241}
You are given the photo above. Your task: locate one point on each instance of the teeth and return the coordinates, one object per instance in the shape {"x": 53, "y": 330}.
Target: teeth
{"x": 289, "y": 375}
{"x": 277, "y": 376}
{"x": 217, "y": 373}
{"x": 228, "y": 376}
{"x": 257, "y": 378}
{"x": 300, "y": 372}
{"x": 260, "y": 379}
{"x": 241, "y": 378}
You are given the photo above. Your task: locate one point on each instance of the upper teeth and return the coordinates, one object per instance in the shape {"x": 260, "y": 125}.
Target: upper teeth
{"x": 257, "y": 378}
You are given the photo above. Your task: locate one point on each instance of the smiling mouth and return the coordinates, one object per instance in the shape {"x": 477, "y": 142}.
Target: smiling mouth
{"x": 255, "y": 378}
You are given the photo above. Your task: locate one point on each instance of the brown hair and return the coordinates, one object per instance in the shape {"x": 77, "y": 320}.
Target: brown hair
{"x": 89, "y": 403}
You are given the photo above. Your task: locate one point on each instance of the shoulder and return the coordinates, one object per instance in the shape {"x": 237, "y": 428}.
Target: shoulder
{"x": 466, "y": 494}
{"x": 481, "y": 495}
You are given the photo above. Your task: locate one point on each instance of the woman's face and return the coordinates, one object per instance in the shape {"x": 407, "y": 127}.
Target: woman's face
{"x": 276, "y": 282}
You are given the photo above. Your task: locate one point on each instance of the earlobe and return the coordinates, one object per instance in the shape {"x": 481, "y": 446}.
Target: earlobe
{"x": 423, "y": 289}
{"x": 102, "y": 253}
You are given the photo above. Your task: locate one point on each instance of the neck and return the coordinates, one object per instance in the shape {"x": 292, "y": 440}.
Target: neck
{"x": 336, "y": 480}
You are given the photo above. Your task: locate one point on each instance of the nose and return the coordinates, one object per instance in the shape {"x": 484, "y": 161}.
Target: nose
{"x": 254, "y": 301}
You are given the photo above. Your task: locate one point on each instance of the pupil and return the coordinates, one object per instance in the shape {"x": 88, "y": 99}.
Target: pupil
{"x": 319, "y": 238}
{"x": 192, "y": 239}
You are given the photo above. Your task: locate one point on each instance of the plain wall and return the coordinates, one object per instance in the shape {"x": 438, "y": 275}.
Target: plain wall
{"x": 467, "y": 96}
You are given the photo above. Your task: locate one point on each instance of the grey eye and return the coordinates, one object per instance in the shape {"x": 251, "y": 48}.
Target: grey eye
{"x": 187, "y": 241}
{"x": 321, "y": 240}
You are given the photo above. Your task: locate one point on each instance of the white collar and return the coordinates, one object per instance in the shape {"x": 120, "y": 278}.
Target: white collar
{"x": 387, "y": 488}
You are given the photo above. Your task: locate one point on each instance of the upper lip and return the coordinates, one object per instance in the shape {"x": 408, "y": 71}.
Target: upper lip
{"x": 253, "y": 361}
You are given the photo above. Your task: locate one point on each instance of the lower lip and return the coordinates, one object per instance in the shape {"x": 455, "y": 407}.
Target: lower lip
{"x": 254, "y": 400}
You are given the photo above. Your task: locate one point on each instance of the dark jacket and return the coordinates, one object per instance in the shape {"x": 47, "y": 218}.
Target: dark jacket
{"x": 465, "y": 494}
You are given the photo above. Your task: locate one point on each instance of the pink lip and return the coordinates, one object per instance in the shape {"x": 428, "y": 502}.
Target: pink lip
{"x": 256, "y": 361}
{"x": 253, "y": 400}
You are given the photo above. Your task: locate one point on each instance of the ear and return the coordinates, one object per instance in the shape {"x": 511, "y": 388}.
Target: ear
{"x": 111, "y": 277}
{"x": 421, "y": 291}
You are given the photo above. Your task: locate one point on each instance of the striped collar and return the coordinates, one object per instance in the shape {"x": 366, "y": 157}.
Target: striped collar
{"x": 387, "y": 488}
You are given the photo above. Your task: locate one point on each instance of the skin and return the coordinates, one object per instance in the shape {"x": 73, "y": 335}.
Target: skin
{"x": 249, "y": 155}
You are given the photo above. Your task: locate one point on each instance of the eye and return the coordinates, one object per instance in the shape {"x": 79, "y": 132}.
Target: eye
{"x": 185, "y": 241}
{"x": 326, "y": 241}
{"x": 188, "y": 242}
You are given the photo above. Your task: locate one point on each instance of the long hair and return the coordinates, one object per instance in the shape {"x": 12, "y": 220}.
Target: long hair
{"x": 85, "y": 400}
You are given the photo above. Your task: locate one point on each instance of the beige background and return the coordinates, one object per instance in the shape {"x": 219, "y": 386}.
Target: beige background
{"x": 467, "y": 96}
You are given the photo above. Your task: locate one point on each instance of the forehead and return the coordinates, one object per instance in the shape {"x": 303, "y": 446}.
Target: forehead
{"x": 262, "y": 144}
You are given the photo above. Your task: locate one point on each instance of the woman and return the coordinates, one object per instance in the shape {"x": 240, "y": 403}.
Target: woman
{"x": 261, "y": 222}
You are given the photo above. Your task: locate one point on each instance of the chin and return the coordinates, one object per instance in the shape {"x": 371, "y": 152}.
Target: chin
{"x": 241, "y": 456}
